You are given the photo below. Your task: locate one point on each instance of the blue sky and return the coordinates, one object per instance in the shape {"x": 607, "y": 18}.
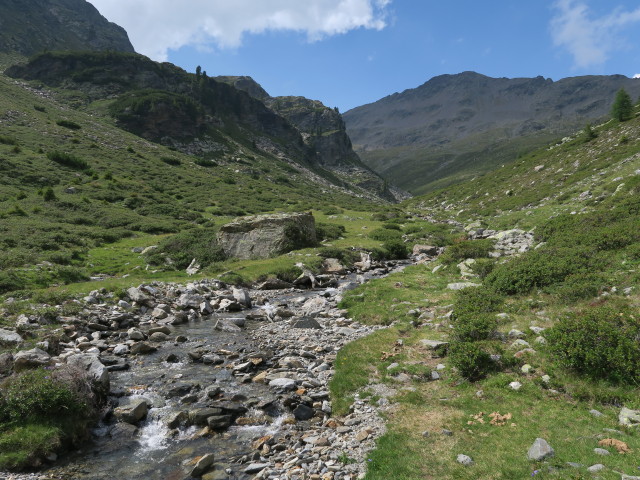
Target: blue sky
{"x": 347, "y": 53}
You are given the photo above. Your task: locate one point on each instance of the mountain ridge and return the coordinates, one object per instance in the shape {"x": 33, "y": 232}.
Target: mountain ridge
{"x": 468, "y": 123}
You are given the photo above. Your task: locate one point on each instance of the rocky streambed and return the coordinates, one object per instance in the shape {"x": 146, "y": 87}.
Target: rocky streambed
{"x": 207, "y": 381}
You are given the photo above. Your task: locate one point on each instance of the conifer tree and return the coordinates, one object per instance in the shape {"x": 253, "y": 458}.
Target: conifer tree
{"x": 622, "y": 108}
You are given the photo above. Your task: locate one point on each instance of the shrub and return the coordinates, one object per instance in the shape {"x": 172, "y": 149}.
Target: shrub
{"x": 182, "y": 248}
{"x": 540, "y": 268}
{"x": 598, "y": 342}
{"x": 472, "y": 362}
{"x": 385, "y": 235}
{"x": 287, "y": 274}
{"x": 346, "y": 256}
{"x": 68, "y": 160}
{"x": 233, "y": 278}
{"x": 49, "y": 195}
{"x": 392, "y": 226}
{"x": 395, "y": 250}
{"x": 483, "y": 267}
{"x": 171, "y": 161}
{"x": 329, "y": 231}
{"x": 578, "y": 287}
{"x": 470, "y": 327}
{"x": 477, "y": 300}
{"x": 69, "y": 124}
{"x": 467, "y": 249}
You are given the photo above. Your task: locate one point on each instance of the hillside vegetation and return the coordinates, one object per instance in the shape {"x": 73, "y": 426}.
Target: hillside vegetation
{"x": 544, "y": 346}
{"x": 73, "y": 180}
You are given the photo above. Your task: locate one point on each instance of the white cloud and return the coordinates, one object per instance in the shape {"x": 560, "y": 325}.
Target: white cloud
{"x": 589, "y": 40}
{"x": 156, "y": 26}
{"x": 637, "y": 75}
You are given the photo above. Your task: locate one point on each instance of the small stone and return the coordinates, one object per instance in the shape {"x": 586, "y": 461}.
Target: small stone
{"x": 598, "y": 467}
{"x": 596, "y": 413}
{"x": 540, "y": 450}
{"x": 464, "y": 460}
{"x": 255, "y": 467}
{"x": 601, "y": 451}
{"x": 446, "y": 432}
{"x": 515, "y": 385}
{"x": 303, "y": 412}
{"x": 203, "y": 464}
{"x": 526, "y": 369}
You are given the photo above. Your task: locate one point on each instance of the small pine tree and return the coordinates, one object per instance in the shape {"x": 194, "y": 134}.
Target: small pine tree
{"x": 588, "y": 133}
{"x": 622, "y": 108}
{"x": 49, "y": 195}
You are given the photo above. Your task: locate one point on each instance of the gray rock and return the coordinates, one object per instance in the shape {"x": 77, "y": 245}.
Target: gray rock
{"x": 219, "y": 422}
{"x": 135, "y": 334}
{"x": 464, "y": 460}
{"x": 307, "y": 322}
{"x": 199, "y": 417}
{"x": 598, "y": 467}
{"x": 132, "y": 412}
{"x": 596, "y": 413}
{"x": 138, "y": 296}
{"x": 226, "y": 326}
{"x": 96, "y": 371}
{"x": 462, "y": 285}
{"x": 6, "y": 363}
{"x": 629, "y": 417}
{"x": 10, "y": 337}
{"x": 158, "y": 337}
{"x": 141, "y": 348}
{"x": 283, "y": 384}
{"x": 263, "y": 236}
{"x": 433, "y": 344}
{"x": 601, "y": 451}
{"x": 202, "y": 465}
{"x": 33, "y": 358}
{"x": 255, "y": 467}
{"x": 303, "y": 412}
{"x": 540, "y": 450}
{"x": 242, "y": 297}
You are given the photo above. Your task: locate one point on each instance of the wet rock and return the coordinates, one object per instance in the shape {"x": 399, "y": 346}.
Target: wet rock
{"x": 219, "y": 422}
{"x": 135, "y": 334}
{"x": 176, "y": 419}
{"x": 134, "y": 411}
{"x": 202, "y": 465}
{"x": 283, "y": 384}
{"x": 226, "y": 326}
{"x": 141, "y": 348}
{"x": 158, "y": 337}
{"x": 303, "y": 412}
{"x": 199, "y": 417}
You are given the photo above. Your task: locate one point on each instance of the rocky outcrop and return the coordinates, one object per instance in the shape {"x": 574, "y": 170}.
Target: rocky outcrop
{"x": 264, "y": 236}
{"x": 38, "y": 25}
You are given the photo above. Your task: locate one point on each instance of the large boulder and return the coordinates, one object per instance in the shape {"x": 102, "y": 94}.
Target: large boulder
{"x": 263, "y": 236}
{"x": 96, "y": 371}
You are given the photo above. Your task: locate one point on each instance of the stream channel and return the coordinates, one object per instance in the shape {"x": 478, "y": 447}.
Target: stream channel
{"x": 151, "y": 450}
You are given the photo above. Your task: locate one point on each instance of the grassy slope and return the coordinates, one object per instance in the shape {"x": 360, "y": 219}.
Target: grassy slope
{"x": 131, "y": 187}
{"x": 557, "y": 411}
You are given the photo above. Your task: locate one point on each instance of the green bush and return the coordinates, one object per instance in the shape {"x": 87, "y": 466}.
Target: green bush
{"x": 287, "y": 274}
{"x": 69, "y": 124}
{"x": 182, "y": 248}
{"x": 578, "y": 287}
{"x": 48, "y": 195}
{"x": 385, "y": 235}
{"x": 472, "y": 362}
{"x": 68, "y": 160}
{"x": 467, "y": 249}
{"x": 346, "y": 256}
{"x": 470, "y": 327}
{"x": 483, "y": 267}
{"x": 44, "y": 395}
{"x": 541, "y": 268}
{"x": 481, "y": 299}
{"x": 395, "y": 250}
{"x": 329, "y": 231}
{"x": 598, "y": 342}
{"x": 171, "y": 161}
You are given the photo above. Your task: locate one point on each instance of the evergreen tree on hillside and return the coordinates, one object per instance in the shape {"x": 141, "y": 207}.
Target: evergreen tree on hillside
{"x": 622, "y": 108}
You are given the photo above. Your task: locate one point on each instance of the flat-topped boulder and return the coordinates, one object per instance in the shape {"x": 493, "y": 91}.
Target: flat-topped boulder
{"x": 263, "y": 236}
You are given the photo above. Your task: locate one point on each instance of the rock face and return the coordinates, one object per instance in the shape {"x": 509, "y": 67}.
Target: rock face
{"x": 38, "y": 25}
{"x": 263, "y": 236}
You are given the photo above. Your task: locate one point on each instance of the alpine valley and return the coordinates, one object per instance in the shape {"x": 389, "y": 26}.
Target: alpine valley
{"x": 201, "y": 280}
